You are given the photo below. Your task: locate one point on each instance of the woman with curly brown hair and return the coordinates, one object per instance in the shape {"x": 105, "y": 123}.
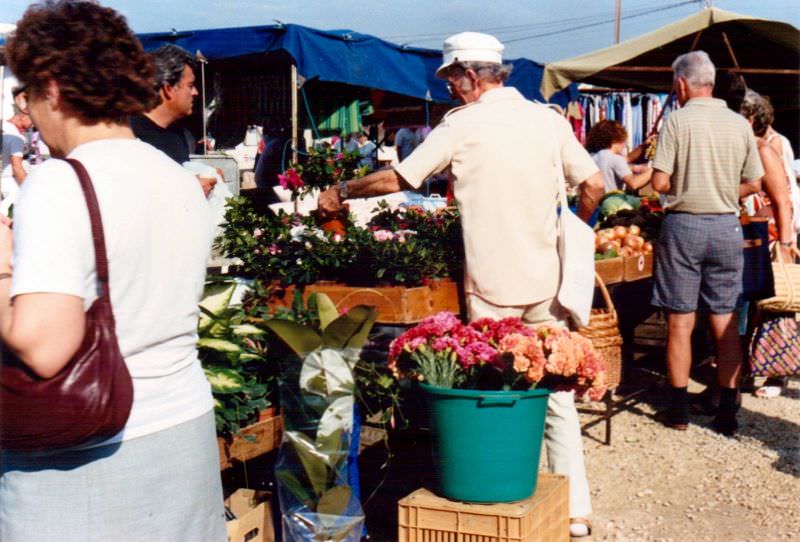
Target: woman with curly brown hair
{"x": 775, "y": 200}
{"x": 606, "y": 142}
{"x": 84, "y": 75}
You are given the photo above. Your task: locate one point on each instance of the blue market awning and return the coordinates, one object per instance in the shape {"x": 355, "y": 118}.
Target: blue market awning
{"x": 344, "y": 56}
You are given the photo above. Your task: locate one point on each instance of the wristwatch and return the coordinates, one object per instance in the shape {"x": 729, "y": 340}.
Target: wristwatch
{"x": 343, "y": 192}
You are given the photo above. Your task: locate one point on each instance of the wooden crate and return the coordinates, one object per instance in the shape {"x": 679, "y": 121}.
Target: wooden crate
{"x": 252, "y": 441}
{"x": 637, "y": 267}
{"x": 395, "y": 304}
{"x": 610, "y": 270}
{"x": 544, "y": 517}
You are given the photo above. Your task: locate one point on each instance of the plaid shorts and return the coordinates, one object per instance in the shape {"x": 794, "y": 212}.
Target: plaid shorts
{"x": 698, "y": 263}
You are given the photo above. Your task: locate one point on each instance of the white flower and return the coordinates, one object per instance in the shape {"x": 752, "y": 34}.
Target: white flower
{"x": 297, "y": 232}
{"x": 298, "y": 261}
{"x": 308, "y": 245}
{"x": 257, "y": 233}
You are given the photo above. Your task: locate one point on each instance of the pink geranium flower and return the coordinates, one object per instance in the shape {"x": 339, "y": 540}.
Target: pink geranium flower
{"x": 290, "y": 180}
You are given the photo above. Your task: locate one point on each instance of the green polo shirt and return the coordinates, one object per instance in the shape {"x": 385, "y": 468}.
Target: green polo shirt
{"x": 707, "y": 150}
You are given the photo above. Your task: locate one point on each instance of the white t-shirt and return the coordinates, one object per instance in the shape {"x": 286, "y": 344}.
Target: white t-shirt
{"x": 157, "y": 230}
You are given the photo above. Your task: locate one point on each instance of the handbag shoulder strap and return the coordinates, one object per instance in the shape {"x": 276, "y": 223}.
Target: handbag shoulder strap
{"x": 100, "y": 258}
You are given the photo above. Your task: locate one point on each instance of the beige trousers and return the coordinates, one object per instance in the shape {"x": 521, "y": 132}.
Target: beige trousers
{"x": 562, "y": 431}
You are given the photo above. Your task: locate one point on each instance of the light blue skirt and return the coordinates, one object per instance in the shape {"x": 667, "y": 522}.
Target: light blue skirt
{"x": 160, "y": 487}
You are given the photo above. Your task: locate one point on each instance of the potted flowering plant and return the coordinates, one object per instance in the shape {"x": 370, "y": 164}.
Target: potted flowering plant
{"x": 437, "y": 232}
{"x": 487, "y": 384}
{"x": 282, "y": 248}
{"x": 321, "y": 169}
{"x": 387, "y": 257}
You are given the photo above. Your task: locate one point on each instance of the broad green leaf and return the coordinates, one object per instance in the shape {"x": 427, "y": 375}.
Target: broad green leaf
{"x": 326, "y": 373}
{"x": 220, "y": 345}
{"x": 338, "y": 528}
{"x": 350, "y": 330}
{"x": 334, "y": 502}
{"x": 337, "y": 417}
{"x": 294, "y": 486}
{"x": 298, "y": 337}
{"x": 216, "y": 298}
{"x": 223, "y": 380}
{"x": 326, "y": 309}
{"x": 247, "y": 329}
{"x": 314, "y": 462}
{"x": 250, "y": 357}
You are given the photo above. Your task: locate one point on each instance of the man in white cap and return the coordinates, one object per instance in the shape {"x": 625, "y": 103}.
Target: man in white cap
{"x": 503, "y": 152}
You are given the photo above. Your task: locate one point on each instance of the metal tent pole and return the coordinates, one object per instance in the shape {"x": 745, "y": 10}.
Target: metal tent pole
{"x": 293, "y": 90}
{"x": 202, "y": 60}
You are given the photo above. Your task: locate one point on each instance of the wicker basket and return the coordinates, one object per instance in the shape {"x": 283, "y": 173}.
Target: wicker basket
{"x": 787, "y": 286}
{"x": 603, "y": 331}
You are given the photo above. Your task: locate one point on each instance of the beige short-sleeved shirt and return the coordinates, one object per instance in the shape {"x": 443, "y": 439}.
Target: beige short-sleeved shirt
{"x": 707, "y": 150}
{"x": 502, "y": 151}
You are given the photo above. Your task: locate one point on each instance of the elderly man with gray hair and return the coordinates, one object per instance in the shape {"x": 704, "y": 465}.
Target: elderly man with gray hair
{"x": 706, "y": 160}
{"x": 507, "y": 159}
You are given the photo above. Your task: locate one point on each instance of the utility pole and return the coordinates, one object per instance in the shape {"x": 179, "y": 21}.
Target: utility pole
{"x": 617, "y": 15}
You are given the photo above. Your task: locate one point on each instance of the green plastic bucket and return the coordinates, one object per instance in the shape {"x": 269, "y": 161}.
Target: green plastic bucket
{"x": 487, "y": 443}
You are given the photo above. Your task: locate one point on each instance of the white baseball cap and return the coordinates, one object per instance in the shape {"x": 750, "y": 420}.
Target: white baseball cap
{"x": 469, "y": 47}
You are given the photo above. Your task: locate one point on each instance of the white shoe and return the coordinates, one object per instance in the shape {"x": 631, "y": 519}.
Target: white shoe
{"x": 579, "y": 527}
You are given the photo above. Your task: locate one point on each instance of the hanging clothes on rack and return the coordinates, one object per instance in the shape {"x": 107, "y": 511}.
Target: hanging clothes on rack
{"x": 636, "y": 111}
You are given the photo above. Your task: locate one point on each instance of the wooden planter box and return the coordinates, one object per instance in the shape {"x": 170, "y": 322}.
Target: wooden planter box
{"x": 395, "y": 304}
{"x": 252, "y": 441}
{"x": 638, "y": 267}
{"x": 610, "y": 270}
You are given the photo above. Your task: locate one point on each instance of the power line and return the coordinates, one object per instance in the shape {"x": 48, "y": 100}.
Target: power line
{"x": 582, "y": 27}
{"x": 512, "y": 28}
{"x": 516, "y": 29}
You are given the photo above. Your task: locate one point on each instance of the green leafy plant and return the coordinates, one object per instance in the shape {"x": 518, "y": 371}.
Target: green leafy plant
{"x": 282, "y": 248}
{"x": 399, "y": 247}
{"x": 321, "y": 169}
{"x": 233, "y": 354}
{"x": 437, "y": 234}
{"x": 318, "y": 393}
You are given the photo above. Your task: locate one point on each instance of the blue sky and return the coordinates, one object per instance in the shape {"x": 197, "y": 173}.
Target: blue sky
{"x": 542, "y": 30}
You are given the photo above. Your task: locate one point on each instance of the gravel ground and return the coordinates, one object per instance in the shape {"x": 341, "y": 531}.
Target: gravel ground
{"x": 657, "y": 484}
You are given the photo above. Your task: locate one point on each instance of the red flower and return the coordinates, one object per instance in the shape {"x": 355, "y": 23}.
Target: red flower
{"x": 290, "y": 180}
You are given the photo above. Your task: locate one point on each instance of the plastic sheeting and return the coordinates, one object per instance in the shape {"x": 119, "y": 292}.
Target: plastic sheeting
{"x": 344, "y": 56}
{"x": 317, "y": 500}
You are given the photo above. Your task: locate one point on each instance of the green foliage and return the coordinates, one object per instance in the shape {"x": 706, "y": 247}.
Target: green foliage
{"x": 233, "y": 350}
{"x": 282, "y": 248}
{"x": 437, "y": 233}
{"x": 322, "y": 168}
{"x": 376, "y": 389}
{"x": 400, "y": 247}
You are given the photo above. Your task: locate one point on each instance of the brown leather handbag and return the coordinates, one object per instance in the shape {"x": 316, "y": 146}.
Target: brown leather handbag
{"x": 90, "y": 399}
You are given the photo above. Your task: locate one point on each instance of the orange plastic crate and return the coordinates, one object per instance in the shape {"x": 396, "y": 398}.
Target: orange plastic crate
{"x": 544, "y": 517}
